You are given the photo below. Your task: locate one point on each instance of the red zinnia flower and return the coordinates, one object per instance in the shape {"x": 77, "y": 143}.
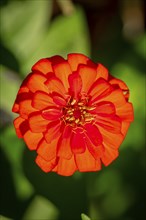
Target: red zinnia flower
{"x": 73, "y": 113}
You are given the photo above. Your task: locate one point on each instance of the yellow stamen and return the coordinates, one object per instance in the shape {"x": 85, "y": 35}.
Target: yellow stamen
{"x": 91, "y": 107}
{"x": 73, "y": 102}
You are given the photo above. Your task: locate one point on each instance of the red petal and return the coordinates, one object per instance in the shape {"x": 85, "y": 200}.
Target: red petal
{"x": 36, "y": 82}
{"x": 42, "y": 100}
{"x": 124, "y": 129}
{"x": 125, "y": 112}
{"x": 66, "y": 167}
{"x": 24, "y": 127}
{"x": 52, "y": 113}
{"x": 116, "y": 97}
{"x": 15, "y": 107}
{"x": 46, "y": 166}
{"x": 55, "y": 85}
{"x": 17, "y": 122}
{"x": 23, "y": 89}
{"x": 20, "y": 97}
{"x": 93, "y": 134}
{"x": 112, "y": 124}
{"x": 78, "y": 145}
{"x": 102, "y": 72}
{"x": 88, "y": 76}
{"x": 75, "y": 59}
{"x": 99, "y": 89}
{"x": 58, "y": 100}
{"x": 64, "y": 147}
{"x": 47, "y": 150}
{"x": 24, "y": 96}
{"x": 56, "y": 59}
{"x": 44, "y": 66}
{"x": 104, "y": 109}
{"x": 62, "y": 71}
{"x": 75, "y": 82}
{"x": 96, "y": 151}
{"x": 37, "y": 123}
{"x": 121, "y": 85}
{"x": 26, "y": 108}
{"x": 110, "y": 139}
{"x": 109, "y": 155}
{"x": 86, "y": 162}
{"x": 32, "y": 139}
{"x": 53, "y": 131}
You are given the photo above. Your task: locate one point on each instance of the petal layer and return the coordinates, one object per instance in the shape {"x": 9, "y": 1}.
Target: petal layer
{"x": 66, "y": 167}
{"x": 125, "y": 112}
{"x": 112, "y": 124}
{"x": 96, "y": 151}
{"x": 55, "y": 85}
{"x": 17, "y": 122}
{"x": 64, "y": 144}
{"x": 36, "y": 82}
{"x": 37, "y": 123}
{"x": 104, "y": 109}
{"x": 47, "y": 150}
{"x": 86, "y": 162}
{"x": 77, "y": 142}
{"x": 23, "y": 94}
{"x": 111, "y": 140}
{"x": 53, "y": 131}
{"x": 109, "y": 155}
{"x": 32, "y": 139}
{"x": 25, "y": 108}
{"x": 102, "y": 72}
{"x": 117, "y": 83}
{"x": 75, "y": 59}
{"x": 62, "y": 71}
{"x": 44, "y": 66}
{"x": 42, "y": 100}
{"x": 99, "y": 89}
{"x": 46, "y": 166}
{"x": 116, "y": 97}
{"x": 124, "y": 129}
{"x": 75, "y": 83}
{"x": 52, "y": 114}
{"x": 93, "y": 134}
{"x": 88, "y": 76}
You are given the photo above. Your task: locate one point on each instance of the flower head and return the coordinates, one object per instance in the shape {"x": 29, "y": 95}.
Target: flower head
{"x": 73, "y": 113}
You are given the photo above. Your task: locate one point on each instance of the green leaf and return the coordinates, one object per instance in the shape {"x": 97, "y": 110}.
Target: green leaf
{"x": 40, "y": 208}
{"x": 140, "y": 45}
{"x": 27, "y": 32}
{"x": 8, "y": 59}
{"x": 85, "y": 217}
{"x": 23, "y": 24}
{"x": 13, "y": 148}
{"x": 9, "y": 86}
{"x": 66, "y": 34}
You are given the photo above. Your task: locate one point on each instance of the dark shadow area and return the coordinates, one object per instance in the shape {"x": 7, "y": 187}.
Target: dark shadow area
{"x": 10, "y": 205}
{"x": 67, "y": 193}
{"x": 8, "y": 59}
{"x": 4, "y": 2}
{"x": 133, "y": 170}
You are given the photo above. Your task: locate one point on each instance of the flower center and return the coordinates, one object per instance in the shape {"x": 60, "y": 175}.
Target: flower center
{"x": 77, "y": 113}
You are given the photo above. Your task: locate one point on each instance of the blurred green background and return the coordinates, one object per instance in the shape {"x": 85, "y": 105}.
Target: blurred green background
{"x": 110, "y": 32}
